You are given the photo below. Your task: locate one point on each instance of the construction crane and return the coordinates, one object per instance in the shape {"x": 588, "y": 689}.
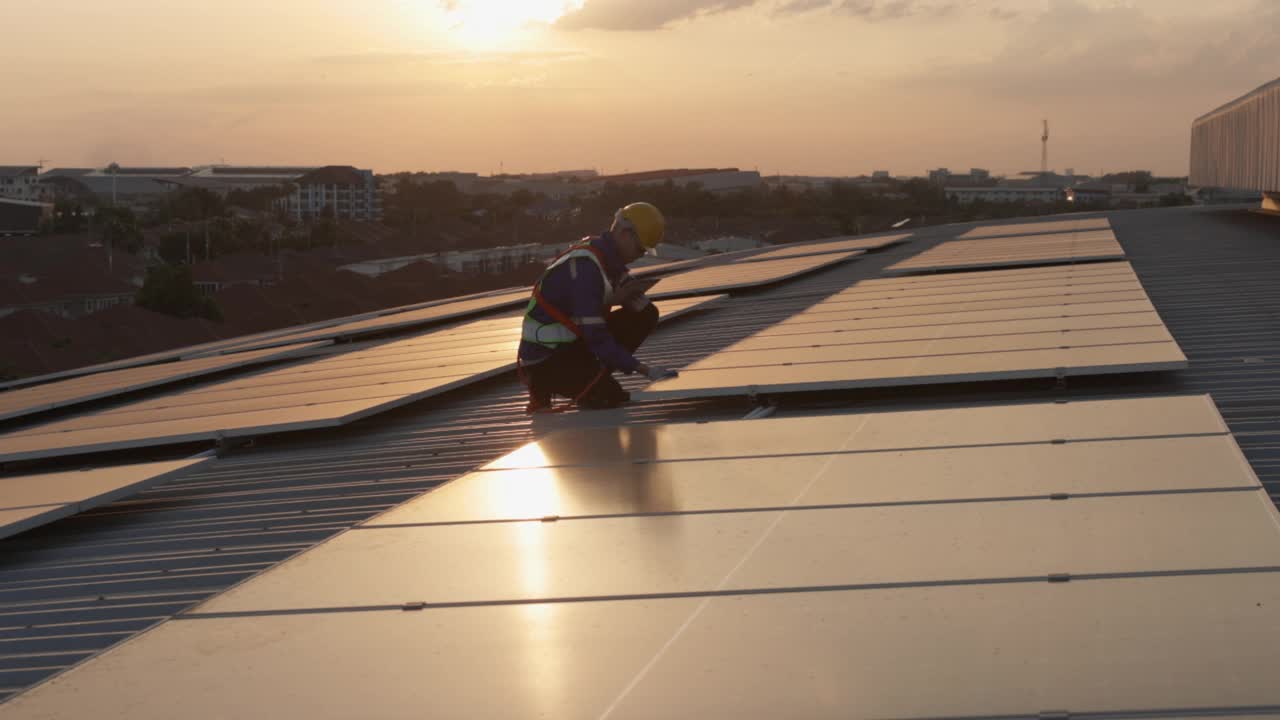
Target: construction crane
{"x": 1044, "y": 151}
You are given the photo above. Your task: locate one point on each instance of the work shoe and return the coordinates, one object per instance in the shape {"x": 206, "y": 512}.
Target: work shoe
{"x": 606, "y": 394}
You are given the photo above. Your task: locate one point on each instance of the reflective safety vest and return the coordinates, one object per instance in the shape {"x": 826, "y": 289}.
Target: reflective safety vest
{"x": 564, "y": 328}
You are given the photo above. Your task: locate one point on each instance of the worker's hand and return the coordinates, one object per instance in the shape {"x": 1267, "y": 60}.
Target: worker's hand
{"x": 657, "y": 372}
{"x": 632, "y": 291}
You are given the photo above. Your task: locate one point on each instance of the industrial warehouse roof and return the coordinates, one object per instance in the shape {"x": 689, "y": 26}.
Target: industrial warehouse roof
{"x": 73, "y": 588}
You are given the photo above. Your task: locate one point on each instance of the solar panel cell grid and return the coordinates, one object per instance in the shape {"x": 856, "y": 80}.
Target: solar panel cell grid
{"x": 992, "y": 231}
{"x": 793, "y": 567}
{"x": 40, "y": 398}
{"x": 828, "y": 246}
{"x": 1013, "y": 251}
{"x": 721, "y": 278}
{"x": 887, "y": 332}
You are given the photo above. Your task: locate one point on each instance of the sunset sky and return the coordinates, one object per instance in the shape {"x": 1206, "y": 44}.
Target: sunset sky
{"x": 792, "y": 86}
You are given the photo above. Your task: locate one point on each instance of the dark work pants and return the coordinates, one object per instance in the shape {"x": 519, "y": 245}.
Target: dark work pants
{"x": 571, "y": 368}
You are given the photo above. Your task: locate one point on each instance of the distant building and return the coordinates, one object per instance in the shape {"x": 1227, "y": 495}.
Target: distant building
{"x": 940, "y": 176}
{"x": 338, "y": 190}
{"x": 212, "y": 276}
{"x": 711, "y": 179}
{"x": 1237, "y": 146}
{"x": 1048, "y": 179}
{"x": 1089, "y": 194}
{"x": 1001, "y": 194}
{"x": 22, "y": 217}
{"x": 224, "y": 179}
{"x": 123, "y": 185}
{"x": 21, "y": 182}
{"x": 880, "y": 175}
{"x": 979, "y": 174}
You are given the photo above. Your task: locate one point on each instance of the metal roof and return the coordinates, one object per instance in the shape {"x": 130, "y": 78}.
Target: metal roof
{"x": 76, "y": 587}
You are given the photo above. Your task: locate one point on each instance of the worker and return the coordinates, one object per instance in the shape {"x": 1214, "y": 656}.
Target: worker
{"x": 571, "y": 341}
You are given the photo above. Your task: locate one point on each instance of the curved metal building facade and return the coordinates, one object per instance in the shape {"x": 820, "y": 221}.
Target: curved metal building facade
{"x": 1238, "y": 145}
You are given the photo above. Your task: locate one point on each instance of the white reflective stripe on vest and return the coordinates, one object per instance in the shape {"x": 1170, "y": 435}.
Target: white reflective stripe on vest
{"x": 546, "y": 334}
{"x": 583, "y": 252}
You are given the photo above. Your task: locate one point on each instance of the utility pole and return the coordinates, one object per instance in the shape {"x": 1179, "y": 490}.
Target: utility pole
{"x": 114, "y": 169}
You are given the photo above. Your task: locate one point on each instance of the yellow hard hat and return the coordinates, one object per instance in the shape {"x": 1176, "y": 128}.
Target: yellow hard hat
{"x": 645, "y": 220}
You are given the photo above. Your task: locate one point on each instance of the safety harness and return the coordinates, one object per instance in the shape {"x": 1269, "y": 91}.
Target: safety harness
{"x": 565, "y": 329}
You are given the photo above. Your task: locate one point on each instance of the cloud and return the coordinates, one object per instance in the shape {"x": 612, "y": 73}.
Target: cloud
{"x": 796, "y": 7}
{"x": 643, "y": 15}
{"x": 871, "y": 10}
{"x": 1076, "y": 49}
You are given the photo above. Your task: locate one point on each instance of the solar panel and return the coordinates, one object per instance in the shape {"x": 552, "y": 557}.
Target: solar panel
{"x": 823, "y": 247}
{"x": 1014, "y": 251}
{"x": 993, "y": 231}
{"x": 396, "y": 321}
{"x": 328, "y": 392}
{"x": 722, "y": 278}
{"x": 1127, "y": 589}
{"x": 41, "y": 398}
{"x": 871, "y": 477}
{"x": 1015, "y": 324}
{"x": 28, "y": 501}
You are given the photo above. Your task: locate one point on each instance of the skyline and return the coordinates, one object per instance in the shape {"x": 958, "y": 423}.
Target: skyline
{"x": 810, "y": 87}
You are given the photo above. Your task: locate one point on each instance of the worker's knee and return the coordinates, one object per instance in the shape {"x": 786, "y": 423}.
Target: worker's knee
{"x": 649, "y": 317}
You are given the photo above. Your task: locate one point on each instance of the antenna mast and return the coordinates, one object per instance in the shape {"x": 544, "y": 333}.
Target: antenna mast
{"x": 1044, "y": 151}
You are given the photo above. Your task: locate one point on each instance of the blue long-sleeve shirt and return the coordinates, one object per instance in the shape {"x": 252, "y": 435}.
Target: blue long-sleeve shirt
{"x": 577, "y": 290}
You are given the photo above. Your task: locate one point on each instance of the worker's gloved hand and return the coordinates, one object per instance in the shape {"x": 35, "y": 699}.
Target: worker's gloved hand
{"x": 657, "y": 372}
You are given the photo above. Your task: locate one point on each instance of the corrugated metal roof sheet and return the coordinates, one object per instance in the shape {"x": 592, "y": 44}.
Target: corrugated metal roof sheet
{"x": 76, "y": 587}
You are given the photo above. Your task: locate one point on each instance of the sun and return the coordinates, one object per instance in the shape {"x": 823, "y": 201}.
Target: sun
{"x": 500, "y": 24}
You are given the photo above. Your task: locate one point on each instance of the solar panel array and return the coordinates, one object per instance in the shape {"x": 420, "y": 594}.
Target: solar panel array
{"x": 734, "y": 276}
{"x": 829, "y": 246}
{"x": 86, "y": 388}
{"x": 1084, "y": 558}
{"x": 1009, "y": 324}
{"x": 266, "y": 339}
{"x": 1078, "y": 225}
{"x": 1013, "y": 252}
{"x": 28, "y": 501}
{"x": 328, "y": 392}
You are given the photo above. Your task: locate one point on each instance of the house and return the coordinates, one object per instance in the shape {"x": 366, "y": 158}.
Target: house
{"x": 21, "y": 182}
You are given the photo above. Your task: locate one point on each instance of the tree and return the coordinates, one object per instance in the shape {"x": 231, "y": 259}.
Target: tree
{"x": 259, "y": 199}
{"x": 173, "y": 248}
{"x": 118, "y": 228}
{"x": 170, "y": 290}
